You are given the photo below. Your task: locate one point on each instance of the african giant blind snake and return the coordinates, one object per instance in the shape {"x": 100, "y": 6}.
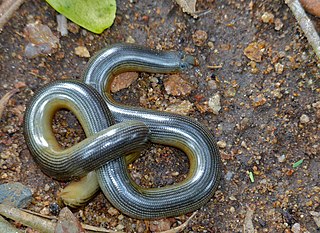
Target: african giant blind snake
{"x": 107, "y": 143}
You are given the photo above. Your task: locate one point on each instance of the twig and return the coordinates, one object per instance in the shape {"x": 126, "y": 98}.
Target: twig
{"x": 47, "y": 224}
{"x": 5, "y": 226}
{"x": 181, "y": 227}
{"x": 4, "y": 100}
{"x": 305, "y": 24}
{"x": 7, "y": 8}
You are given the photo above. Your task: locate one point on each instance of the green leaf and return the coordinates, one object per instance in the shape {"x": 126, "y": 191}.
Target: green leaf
{"x": 94, "y": 15}
{"x": 297, "y": 164}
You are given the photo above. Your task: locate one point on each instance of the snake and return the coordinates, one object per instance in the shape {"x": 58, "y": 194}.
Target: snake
{"x": 127, "y": 130}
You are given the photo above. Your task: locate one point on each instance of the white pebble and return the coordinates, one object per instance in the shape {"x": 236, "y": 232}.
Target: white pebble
{"x": 304, "y": 119}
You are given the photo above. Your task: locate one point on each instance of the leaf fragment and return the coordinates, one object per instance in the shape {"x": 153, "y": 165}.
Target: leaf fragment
{"x": 94, "y": 15}
{"x": 298, "y": 163}
{"x": 188, "y": 6}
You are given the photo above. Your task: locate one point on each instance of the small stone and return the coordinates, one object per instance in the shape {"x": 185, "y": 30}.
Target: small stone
{"x": 130, "y": 40}
{"x": 175, "y": 173}
{"x": 113, "y": 211}
{"x": 15, "y": 194}
{"x": 62, "y": 25}
{"x": 68, "y": 223}
{"x": 278, "y": 68}
{"x": 45, "y": 211}
{"x": 160, "y": 225}
{"x": 177, "y": 86}
{"x": 230, "y": 92}
{"x": 267, "y": 17}
{"x": 222, "y": 144}
{"x": 295, "y": 228}
{"x": 199, "y": 37}
{"x": 82, "y": 51}
{"x": 244, "y": 123}
{"x": 41, "y": 40}
{"x": 74, "y": 28}
{"x": 229, "y": 175}
{"x": 214, "y": 104}
{"x": 304, "y": 119}
{"x": 278, "y": 24}
{"x": 120, "y": 217}
{"x": 120, "y": 227}
{"x": 259, "y": 100}
{"x": 254, "y": 51}
{"x": 244, "y": 144}
{"x": 232, "y": 210}
{"x": 20, "y": 85}
{"x": 282, "y": 158}
{"x": 316, "y": 105}
{"x": 46, "y": 187}
{"x": 123, "y": 81}
{"x": 212, "y": 85}
{"x": 182, "y": 108}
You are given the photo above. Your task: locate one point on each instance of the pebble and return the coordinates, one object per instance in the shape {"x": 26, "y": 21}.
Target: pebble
{"x": 123, "y": 81}
{"x": 282, "y": 158}
{"x": 82, "y": 51}
{"x": 259, "y": 100}
{"x": 214, "y": 104}
{"x": 267, "y": 17}
{"x": 199, "y": 37}
{"x": 62, "y": 25}
{"x": 222, "y": 144}
{"x": 120, "y": 227}
{"x": 229, "y": 175}
{"x": 182, "y": 108}
{"x": 113, "y": 211}
{"x": 279, "y": 68}
{"x": 160, "y": 225}
{"x": 177, "y": 86}
{"x": 15, "y": 194}
{"x": 254, "y": 51}
{"x": 41, "y": 40}
{"x": 304, "y": 119}
{"x": 295, "y": 228}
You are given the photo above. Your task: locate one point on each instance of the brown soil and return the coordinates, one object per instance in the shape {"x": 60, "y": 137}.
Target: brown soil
{"x": 259, "y": 120}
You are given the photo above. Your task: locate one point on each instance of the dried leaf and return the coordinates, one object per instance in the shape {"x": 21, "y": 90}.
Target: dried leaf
{"x": 4, "y": 100}
{"x": 188, "y": 6}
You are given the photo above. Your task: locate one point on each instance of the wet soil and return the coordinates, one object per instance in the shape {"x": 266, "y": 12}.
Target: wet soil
{"x": 269, "y": 118}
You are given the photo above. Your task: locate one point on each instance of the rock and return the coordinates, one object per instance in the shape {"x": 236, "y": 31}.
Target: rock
{"x": 214, "y": 104}
{"x": 15, "y": 194}
{"x": 295, "y": 228}
{"x": 82, "y": 51}
{"x": 113, "y": 211}
{"x": 177, "y": 86}
{"x": 254, "y": 51}
{"x": 41, "y": 40}
{"x": 259, "y": 100}
{"x": 267, "y": 17}
{"x": 199, "y": 37}
{"x": 68, "y": 223}
{"x": 282, "y": 158}
{"x": 221, "y": 144}
{"x": 182, "y": 108}
{"x": 304, "y": 119}
{"x": 160, "y": 225}
{"x": 62, "y": 25}
{"x": 123, "y": 81}
{"x": 229, "y": 175}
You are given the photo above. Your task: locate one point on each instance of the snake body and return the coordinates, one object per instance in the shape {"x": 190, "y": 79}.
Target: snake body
{"x": 164, "y": 128}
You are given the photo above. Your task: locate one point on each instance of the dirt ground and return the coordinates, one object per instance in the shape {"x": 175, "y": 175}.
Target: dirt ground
{"x": 269, "y": 118}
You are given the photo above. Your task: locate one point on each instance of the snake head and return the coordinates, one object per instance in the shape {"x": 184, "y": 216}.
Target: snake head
{"x": 187, "y": 61}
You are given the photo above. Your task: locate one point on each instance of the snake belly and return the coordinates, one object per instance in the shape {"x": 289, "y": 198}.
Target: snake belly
{"x": 165, "y": 128}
